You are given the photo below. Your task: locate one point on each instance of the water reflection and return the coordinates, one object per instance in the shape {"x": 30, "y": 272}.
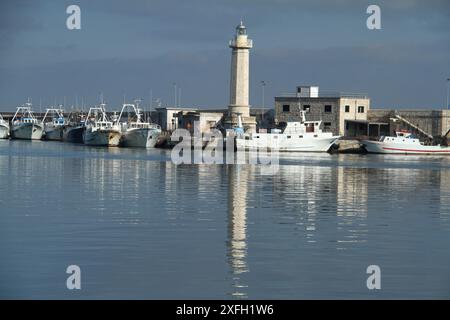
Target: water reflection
{"x": 444, "y": 198}
{"x": 238, "y": 176}
{"x": 351, "y": 205}
{"x": 200, "y": 231}
{"x": 303, "y": 193}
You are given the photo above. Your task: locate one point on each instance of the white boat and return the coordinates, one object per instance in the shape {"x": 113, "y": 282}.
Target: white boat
{"x": 4, "y": 128}
{"x": 25, "y": 126}
{"x": 100, "y": 131}
{"x": 403, "y": 143}
{"x": 136, "y": 132}
{"x": 303, "y": 136}
{"x": 53, "y": 130}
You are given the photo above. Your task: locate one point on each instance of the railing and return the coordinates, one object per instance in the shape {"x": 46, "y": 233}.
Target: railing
{"x": 240, "y": 43}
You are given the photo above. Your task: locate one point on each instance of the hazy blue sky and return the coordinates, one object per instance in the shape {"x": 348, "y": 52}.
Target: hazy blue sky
{"x": 130, "y": 47}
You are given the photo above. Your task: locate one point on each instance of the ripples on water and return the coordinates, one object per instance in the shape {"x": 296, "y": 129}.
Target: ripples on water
{"x": 142, "y": 227}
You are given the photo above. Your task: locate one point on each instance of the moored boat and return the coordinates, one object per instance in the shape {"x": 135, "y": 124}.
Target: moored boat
{"x": 301, "y": 136}
{"x": 74, "y": 128}
{"x": 403, "y": 143}
{"x": 4, "y": 128}
{"x": 100, "y": 131}
{"x": 136, "y": 132}
{"x": 53, "y": 130}
{"x": 25, "y": 126}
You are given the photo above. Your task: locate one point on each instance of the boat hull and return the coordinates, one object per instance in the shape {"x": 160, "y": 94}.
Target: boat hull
{"x": 299, "y": 145}
{"x": 54, "y": 134}
{"x": 4, "y": 132}
{"x": 398, "y": 148}
{"x": 140, "y": 138}
{"x": 27, "y": 131}
{"x": 73, "y": 134}
{"x": 101, "y": 138}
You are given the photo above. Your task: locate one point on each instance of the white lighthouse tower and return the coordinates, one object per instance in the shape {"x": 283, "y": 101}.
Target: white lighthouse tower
{"x": 239, "y": 81}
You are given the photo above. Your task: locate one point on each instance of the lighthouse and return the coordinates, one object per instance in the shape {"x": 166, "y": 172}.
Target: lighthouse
{"x": 239, "y": 81}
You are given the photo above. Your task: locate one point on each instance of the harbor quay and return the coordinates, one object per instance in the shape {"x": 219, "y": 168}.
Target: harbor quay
{"x": 429, "y": 125}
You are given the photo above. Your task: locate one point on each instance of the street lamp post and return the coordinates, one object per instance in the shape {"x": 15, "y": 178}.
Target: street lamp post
{"x": 263, "y": 86}
{"x": 448, "y": 89}
{"x": 176, "y": 94}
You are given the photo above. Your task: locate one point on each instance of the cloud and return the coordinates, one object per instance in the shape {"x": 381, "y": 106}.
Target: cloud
{"x": 132, "y": 46}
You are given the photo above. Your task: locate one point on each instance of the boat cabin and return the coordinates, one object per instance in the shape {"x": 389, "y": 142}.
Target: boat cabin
{"x": 402, "y": 136}
{"x": 25, "y": 120}
{"x": 300, "y": 127}
{"x": 102, "y": 124}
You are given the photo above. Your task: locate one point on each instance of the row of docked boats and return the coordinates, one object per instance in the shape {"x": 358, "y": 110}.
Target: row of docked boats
{"x": 129, "y": 129}
{"x": 307, "y": 136}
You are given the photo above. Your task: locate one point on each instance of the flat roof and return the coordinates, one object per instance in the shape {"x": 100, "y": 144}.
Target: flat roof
{"x": 175, "y": 108}
{"x": 366, "y": 122}
{"x": 325, "y": 95}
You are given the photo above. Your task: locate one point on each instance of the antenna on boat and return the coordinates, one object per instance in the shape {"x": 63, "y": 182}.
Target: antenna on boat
{"x": 301, "y": 112}
{"x": 150, "y": 105}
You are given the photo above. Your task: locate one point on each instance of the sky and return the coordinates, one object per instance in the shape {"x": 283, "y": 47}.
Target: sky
{"x": 139, "y": 49}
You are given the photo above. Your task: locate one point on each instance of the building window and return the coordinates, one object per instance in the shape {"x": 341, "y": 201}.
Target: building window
{"x": 286, "y": 108}
{"x": 327, "y": 108}
{"x": 327, "y": 124}
{"x": 347, "y": 108}
{"x": 360, "y": 109}
{"x": 306, "y": 107}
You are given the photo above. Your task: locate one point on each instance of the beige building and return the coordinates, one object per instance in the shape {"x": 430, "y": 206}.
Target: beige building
{"x": 168, "y": 117}
{"x": 171, "y": 118}
{"x": 206, "y": 120}
{"x": 340, "y": 113}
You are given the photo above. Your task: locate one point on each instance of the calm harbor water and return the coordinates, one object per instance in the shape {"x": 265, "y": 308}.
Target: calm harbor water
{"x": 141, "y": 227}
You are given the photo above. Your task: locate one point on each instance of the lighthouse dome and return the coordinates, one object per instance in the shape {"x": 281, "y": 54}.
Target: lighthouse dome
{"x": 241, "y": 29}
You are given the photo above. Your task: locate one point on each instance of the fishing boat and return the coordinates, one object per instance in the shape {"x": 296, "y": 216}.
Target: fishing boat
{"x": 100, "y": 131}
{"x": 4, "y": 128}
{"x": 136, "y": 132}
{"x": 25, "y": 126}
{"x": 404, "y": 142}
{"x": 74, "y": 128}
{"x": 53, "y": 129}
{"x": 298, "y": 136}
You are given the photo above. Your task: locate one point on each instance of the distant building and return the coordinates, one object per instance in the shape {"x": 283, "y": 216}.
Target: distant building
{"x": 168, "y": 117}
{"x": 265, "y": 117}
{"x": 206, "y": 120}
{"x": 171, "y": 118}
{"x": 341, "y": 113}
{"x": 426, "y": 123}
